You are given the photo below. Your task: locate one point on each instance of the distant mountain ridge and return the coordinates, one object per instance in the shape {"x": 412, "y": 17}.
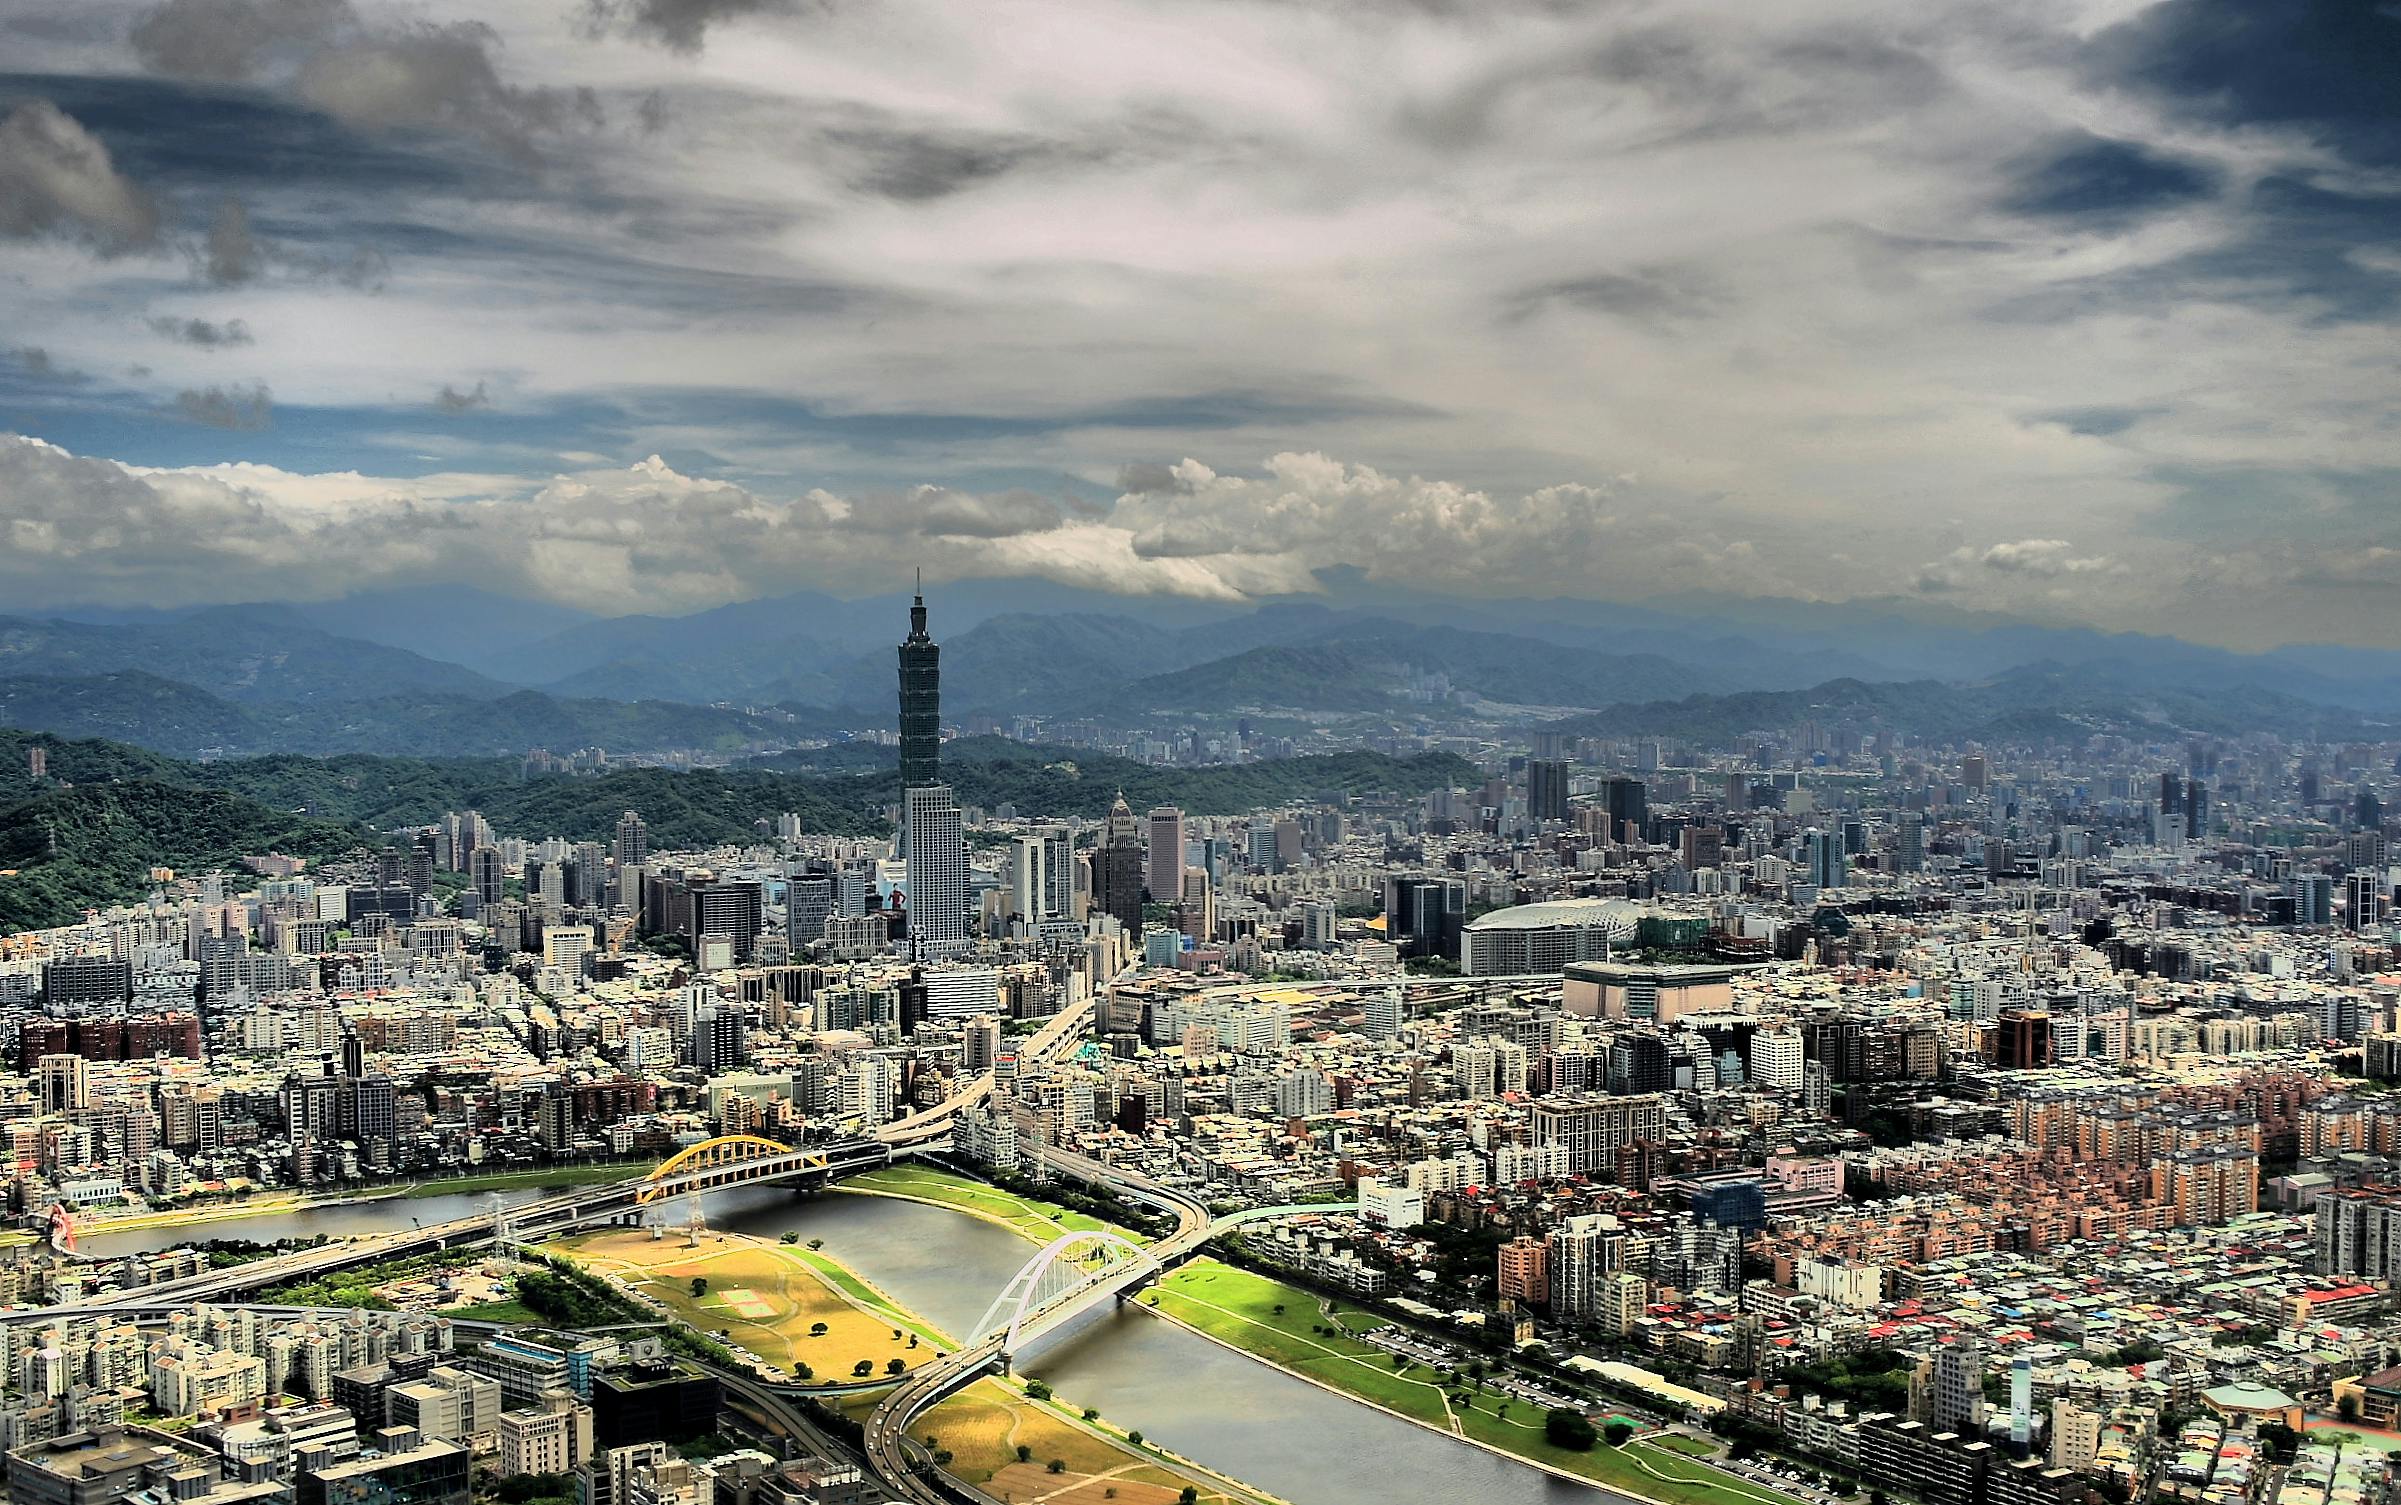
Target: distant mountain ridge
{"x": 174, "y": 717}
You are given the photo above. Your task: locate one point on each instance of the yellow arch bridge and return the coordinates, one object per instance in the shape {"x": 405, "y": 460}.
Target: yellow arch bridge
{"x": 732, "y": 1159}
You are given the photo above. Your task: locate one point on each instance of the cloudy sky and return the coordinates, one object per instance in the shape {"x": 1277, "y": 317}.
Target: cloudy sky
{"x": 2079, "y": 310}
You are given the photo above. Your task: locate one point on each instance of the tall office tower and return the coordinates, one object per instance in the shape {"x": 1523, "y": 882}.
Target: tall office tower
{"x": 1424, "y": 916}
{"x": 2171, "y": 792}
{"x": 2196, "y": 810}
{"x": 1910, "y": 855}
{"x": 1546, "y": 789}
{"x": 2363, "y": 898}
{"x": 808, "y": 904}
{"x": 937, "y": 871}
{"x": 633, "y": 841}
{"x": 1975, "y": 773}
{"x": 920, "y": 703}
{"x": 1117, "y": 870}
{"x": 1058, "y": 871}
{"x": 1823, "y": 852}
{"x": 1164, "y": 871}
{"x": 1629, "y": 802}
{"x": 2312, "y": 895}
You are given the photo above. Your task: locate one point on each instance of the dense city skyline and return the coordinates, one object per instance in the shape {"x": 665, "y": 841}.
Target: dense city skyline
{"x": 2078, "y": 310}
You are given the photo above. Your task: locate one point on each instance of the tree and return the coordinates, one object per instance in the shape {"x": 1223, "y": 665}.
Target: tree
{"x": 1567, "y": 1427}
{"x": 1279, "y": 1309}
{"x": 1135, "y": 1438}
{"x": 1055, "y": 1466}
{"x": 803, "y": 1372}
{"x": 895, "y": 1366}
{"x": 1190, "y": 1496}
{"x": 700, "y": 1286}
{"x": 863, "y": 1368}
{"x": 1618, "y": 1430}
{"x": 817, "y": 1243}
{"x": 1037, "y": 1390}
{"x": 1025, "y": 1454}
{"x": 816, "y": 1329}
{"x": 2346, "y": 1408}
{"x": 1092, "y": 1413}
{"x": 791, "y": 1237}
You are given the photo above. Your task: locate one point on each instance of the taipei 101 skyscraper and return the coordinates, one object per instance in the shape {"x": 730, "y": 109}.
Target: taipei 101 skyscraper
{"x": 920, "y": 703}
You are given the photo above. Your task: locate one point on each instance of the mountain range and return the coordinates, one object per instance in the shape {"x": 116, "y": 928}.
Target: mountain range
{"x": 453, "y": 672}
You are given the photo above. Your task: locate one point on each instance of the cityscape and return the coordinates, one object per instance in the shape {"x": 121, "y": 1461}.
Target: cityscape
{"x": 661, "y": 845}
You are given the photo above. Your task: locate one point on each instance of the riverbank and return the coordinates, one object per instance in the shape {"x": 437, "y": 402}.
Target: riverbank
{"x": 1029, "y": 1218}
{"x": 770, "y": 1297}
{"x": 1292, "y": 1329}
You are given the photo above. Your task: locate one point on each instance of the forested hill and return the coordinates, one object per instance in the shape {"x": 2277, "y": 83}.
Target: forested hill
{"x": 88, "y": 833}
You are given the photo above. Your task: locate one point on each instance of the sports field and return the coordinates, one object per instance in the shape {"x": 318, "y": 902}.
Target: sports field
{"x": 768, "y": 1298}
{"x": 984, "y": 1425}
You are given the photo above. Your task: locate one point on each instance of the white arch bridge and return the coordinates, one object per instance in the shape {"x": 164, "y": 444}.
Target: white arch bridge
{"x": 1067, "y": 1277}
{"x": 1068, "y": 1274}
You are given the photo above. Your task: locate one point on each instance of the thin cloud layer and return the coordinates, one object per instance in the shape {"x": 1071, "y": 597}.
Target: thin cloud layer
{"x": 1826, "y": 300}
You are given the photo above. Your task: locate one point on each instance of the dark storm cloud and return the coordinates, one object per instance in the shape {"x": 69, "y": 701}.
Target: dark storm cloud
{"x": 40, "y": 366}
{"x": 680, "y": 24}
{"x": 1150, "y": 478}
{"x": 241, "y": 408}
{"x": 453, "y": 401}
{"x": 409, "y": 74}
{"x": 2096, "y": 423}
{"x": 57, "y": 178}
{"x": 230, "y": 253}
{"x": 232, "y": 41}
{"x": 2329, "y": 67}
{"x": 202, "y": 333}
{"x": 2106, "y": 182}
{"x": 917, "y": 168}
{"x": 1654, "y": 295}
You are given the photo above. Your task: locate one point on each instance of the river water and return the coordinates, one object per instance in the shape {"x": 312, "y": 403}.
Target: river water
{"x": 1190, "y": 1395}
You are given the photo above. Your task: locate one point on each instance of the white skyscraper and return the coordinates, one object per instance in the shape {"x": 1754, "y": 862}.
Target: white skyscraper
{"x": 937, "y": 880}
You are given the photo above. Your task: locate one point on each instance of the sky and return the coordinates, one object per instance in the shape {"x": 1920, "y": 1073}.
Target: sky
{"x": 2079, "y": 311}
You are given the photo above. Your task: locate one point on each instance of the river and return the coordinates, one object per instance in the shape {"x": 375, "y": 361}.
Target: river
{"x": 1215, "y": 1406}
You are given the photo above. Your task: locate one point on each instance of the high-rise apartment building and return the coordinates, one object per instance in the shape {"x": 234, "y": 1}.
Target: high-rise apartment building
{"x": 633, "y": 841}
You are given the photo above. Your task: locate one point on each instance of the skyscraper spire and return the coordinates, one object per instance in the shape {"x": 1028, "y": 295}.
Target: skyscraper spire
{"x": 920, "y": 702}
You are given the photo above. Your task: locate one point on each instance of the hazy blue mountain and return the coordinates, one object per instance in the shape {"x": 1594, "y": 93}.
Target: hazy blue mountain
{"x": 2030, "y": 703}
{"x": 241, "y": 652}
{"x": 1367, "y": 666}
{"x": 169, "y": 716}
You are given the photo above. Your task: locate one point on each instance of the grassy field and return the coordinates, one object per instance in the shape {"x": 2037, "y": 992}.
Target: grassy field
{"x": 493, "y": 1311}
{"x": 763, "y": 1297}
{"x": 1031, "y": 1217}
{"x": 985, "y": 1424}
{"x": 1242, "y": 1308}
